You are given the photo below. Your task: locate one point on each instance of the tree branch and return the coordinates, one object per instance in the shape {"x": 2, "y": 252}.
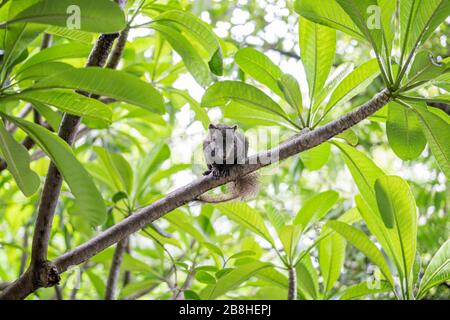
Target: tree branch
{"x": 442, "y": 106}
{"x": 292, "y": 284}
{"x": 22, "y": 287}
{"x": 114, "y": 271}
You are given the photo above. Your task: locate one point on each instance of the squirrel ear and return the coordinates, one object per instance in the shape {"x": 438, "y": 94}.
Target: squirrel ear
{"x": 211, "y": 126}
{"x": 234, "y": 127}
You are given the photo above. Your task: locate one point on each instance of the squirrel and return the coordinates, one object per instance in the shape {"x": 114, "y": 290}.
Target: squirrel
{"x": 223, "y": 148}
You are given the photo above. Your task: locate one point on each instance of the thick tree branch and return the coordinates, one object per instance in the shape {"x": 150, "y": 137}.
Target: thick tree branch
{"x": 53, "y": 181}
{"x": 191, "y": 191}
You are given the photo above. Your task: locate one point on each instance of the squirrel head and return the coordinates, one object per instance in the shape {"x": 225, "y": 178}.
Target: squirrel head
{"x": 222, "y": 141}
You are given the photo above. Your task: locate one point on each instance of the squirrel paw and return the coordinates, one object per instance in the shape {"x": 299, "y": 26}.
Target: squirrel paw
{"x": 207, "y": 172}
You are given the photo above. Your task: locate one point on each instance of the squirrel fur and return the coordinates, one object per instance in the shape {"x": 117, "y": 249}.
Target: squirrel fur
{"x": 223, "y": 148}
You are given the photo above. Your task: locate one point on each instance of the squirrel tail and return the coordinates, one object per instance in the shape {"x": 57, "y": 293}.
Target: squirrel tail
{"x": 244, "y": 188}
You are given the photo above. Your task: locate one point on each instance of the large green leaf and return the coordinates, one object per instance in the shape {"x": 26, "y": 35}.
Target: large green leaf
{"x": 57, "y": 52}
{"x": 248, "y": 217}
{"x": 67, "y": 101}
{"x": 111, "y": 83}
{"x": 191, "y": 58}
{"x": 418, "y": 19}
{"x": 317, "y": 157}
{"x": 363, "y": 170}
{"x": 317, "y": 49}
{"x": 397, "y": 206}
{"x": 232, "y": 280}
{"x": 437, "y": 132}
{"x": 89, "y": 202}
{"x": 437, "y": 271}
{"x": 102, "y": 16}
{"x": 220, "y": 93}
{"x": 328, "y": 13}
{"x": 315, "y": 208}
{"x": 354, "y": 83}
{"x": 404, "y": 132}
{"x": 366, "y": 19}
{"x": 331, "y": 258}
{"x": 363, "y": 243}
{"x": 260, "y": 67}
{"x": 18, "y": 160}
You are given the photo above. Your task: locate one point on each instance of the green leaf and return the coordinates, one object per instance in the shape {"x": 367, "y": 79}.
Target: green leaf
{"x": 200, "y": 113}
{"x": 232, "y": 280}
{"x": 317, "y": 49}
{"x": 220, "y": 93}
{"x": 425, "y": 68}
{"x": 107, "y": 82}
{"x": 246, "y": 216}
{"x": 119, "y": 170}
{"x": 255, "y": 117}
{"x": 14, "y": 42}
{"x": 67, "y": 101}
{"x": 183, "y": 222}
{"x": 290, "y": 236}
{"x": 57, "y": 52}
{"x": 96, "y": 282}
{"x": 193, "y": 25}
{"x": 331, "y": 259}
{"x": 18, "y": 160}
{"x": 71, "y": 34}
{"x": 397, "y": 206}
{"x": 329, "y": 13}
{"x": 291, "y": 92}
{"x": 260, "y": 67}
{"x": 354, "y": 83}
{"x": 213, "y": 248}
{"x": 89, "y": 201}
{"x": 191, "y": 58}
{"x": 102, "y": 16}
{"x": 205, "y": 277}
{"x": 363, "y": 289}
{"x": 42, "y": 70}
{"x": 317, "y": 157}
{"x": 307, "y": 279}
{"x": 437, "y": 132}
{"x": 437, "y": 271}
{"x": 242, "y": 254}
{"x": 315, "y": 208}
{"x": 418, "y": 19}
{"x": 363, "y": 243}
{"x": 366, "y": 19}
{"x": 363, "y": 170}
{"x": 404, "y": 132}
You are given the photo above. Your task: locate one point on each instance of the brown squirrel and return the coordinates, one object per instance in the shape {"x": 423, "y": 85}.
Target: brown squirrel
{"x": 223, "y": 148}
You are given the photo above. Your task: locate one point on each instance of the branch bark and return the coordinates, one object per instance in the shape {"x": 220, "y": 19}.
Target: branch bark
{"x": 292, "y": 284}
{"x": 114, "y": 271}
{"x": 22, "y": 287}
